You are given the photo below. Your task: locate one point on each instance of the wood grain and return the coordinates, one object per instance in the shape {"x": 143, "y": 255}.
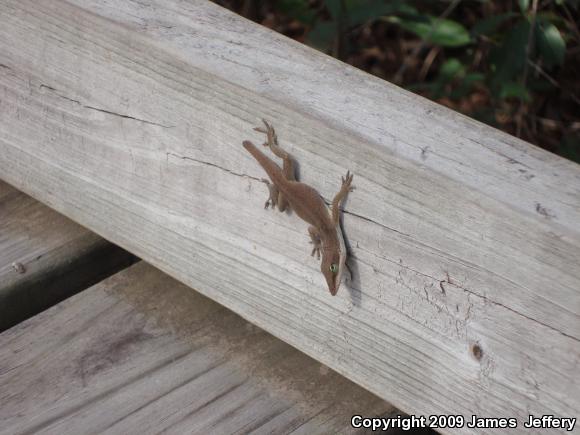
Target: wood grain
{"x": 128, "y": 117}
{"x": 45, "y": 257}
{"x": 141, "y": 353}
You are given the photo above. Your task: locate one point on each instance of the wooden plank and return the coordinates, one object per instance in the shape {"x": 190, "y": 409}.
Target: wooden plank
{"x": 141, "y": 352}
{"x": 45, "y": 257}
{"x": 465, "y": 297}
{"x": 227, "y": 46}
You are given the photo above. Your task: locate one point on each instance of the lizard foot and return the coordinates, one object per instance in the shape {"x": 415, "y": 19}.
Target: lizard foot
{"x": 272, "y": 139}
{"x": 346, "y": 182}
{"x": 315, "y": 250}
{"x": 273, "y": 196}
{"x": 316, "y": 241}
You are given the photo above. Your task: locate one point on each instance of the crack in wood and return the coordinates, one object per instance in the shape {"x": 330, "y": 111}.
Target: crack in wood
{"x": 128, "y": 117}
{"x": 213, "y": 165}
{"x": 108, "y": 112}
{"x": 455, "y": 284}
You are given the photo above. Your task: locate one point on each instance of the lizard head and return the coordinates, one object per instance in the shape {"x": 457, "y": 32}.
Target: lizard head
{"x": 332, "y": 266}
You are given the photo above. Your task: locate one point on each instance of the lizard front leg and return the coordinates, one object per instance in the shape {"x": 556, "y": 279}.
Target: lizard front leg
{"x": 340, "y": 196}
{"x": 315, "y": 241}
{"x": 287, "y": 163}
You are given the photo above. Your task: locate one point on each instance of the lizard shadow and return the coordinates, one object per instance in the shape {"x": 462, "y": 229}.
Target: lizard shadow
{"x": 353, "y": 283}
{"x": 296, "y": 172}
{"x": 296, "y": 167}
{"x": 297, "y": 177}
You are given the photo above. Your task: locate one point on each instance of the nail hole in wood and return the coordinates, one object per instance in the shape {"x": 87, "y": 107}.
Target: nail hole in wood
{"x": 476, "y": 351}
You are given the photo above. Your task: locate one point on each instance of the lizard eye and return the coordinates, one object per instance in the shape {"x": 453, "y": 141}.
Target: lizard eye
{"x": 333, "y": 268}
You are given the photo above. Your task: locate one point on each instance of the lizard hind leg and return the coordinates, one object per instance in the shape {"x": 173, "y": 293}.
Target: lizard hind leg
{"x": 273, "y": 194}
{"x": 275, "y": 197}
{"x": 271, "y": 138}
{"x": 287, "y": 163}
{"x": 315, "y": 241}
{"x": 277, "y": 150}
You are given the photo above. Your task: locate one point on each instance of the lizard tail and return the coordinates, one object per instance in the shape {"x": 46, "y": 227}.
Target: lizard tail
{"x": 272, "y": 169}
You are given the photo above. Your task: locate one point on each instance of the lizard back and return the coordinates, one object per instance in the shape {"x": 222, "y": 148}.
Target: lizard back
{"x": 303, "y": 199}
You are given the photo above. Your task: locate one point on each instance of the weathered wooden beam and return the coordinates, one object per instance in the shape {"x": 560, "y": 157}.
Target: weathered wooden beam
{"x": 45, "y": 257}
{"x": 120, "y": 358}
{"x": 128, "y": 117}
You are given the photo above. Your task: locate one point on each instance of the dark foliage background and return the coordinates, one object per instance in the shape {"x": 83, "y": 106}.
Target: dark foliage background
{"x": 514, "y": 65}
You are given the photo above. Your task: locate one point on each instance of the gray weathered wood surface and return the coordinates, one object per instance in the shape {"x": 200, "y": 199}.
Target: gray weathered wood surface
{"x": 142, "y": 353}
{"x": 45, "y": 257}
{"x": 128, "y": 117}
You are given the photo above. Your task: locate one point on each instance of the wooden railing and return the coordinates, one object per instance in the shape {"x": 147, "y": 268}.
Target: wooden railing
{"x": 128, "y": 117}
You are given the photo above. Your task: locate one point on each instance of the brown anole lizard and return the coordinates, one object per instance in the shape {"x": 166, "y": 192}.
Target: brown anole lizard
{"x": 325, "y": 230}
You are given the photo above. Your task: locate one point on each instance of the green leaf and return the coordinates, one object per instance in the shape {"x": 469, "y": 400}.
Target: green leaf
{"x": 447, "y": 33}
{"x": 508, "y": 60}
{"x": 450, "y": 69}
{"x": 467, "y": 84}
{"x": 472, "y": 78}
{"x": 514, "y": 90}
{"x": 557, "y": 20}
{"x": 524, "y": 5}
{"x": 454, "y": 72}
{"x": 551, "y": 45}
{"x": 489, "y": 25}
{"x": 572, "y": 3}
{"x": 407, "y": 9}
{"x": 363, "y": 11}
